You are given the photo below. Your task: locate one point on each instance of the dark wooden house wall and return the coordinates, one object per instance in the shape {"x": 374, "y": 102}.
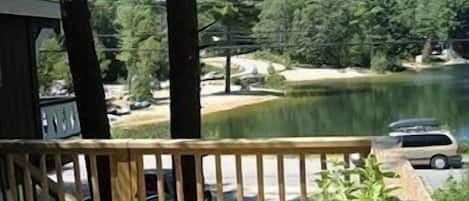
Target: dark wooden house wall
{"x": 19, "y": 105}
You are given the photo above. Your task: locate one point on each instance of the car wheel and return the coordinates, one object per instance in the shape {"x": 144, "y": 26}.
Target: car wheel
{"x": 439, "y": 162}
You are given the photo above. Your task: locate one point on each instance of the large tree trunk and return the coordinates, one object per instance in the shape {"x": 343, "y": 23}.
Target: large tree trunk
{"x": 87, "y": 82}
{"x": 184, "y": 82}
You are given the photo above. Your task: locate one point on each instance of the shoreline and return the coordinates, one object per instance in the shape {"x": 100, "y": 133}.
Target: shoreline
{"x": 213, "y": 99}
{"x": 210, "y": 103}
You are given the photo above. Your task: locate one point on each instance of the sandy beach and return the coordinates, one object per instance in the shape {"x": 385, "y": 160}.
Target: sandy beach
{"x": 212, "y": 100}
{"x": 247, "y": 65}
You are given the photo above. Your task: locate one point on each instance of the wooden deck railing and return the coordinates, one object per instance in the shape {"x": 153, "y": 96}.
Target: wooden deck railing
{"x": 30, "y": 158}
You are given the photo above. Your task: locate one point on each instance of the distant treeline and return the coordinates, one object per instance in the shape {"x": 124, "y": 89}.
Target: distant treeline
{"x": 131, "y": 36}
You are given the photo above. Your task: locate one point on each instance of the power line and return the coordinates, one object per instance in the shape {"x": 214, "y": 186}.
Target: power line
{"x": 275, "y": 44}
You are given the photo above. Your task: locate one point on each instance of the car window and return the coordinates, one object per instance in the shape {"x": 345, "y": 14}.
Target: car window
{"x": 413, "y": 141}
{"x": 437, "y": 140}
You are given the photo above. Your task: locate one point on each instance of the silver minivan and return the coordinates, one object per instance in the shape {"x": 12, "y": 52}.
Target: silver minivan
{"x": 439, "y": 148}
{"x": 423, "y": 142}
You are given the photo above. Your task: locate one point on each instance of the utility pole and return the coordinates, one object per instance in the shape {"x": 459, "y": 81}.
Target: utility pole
{"x": 228, "y": 60}
{"x": 183, "y": 41}
{"x": 87, "y": 83}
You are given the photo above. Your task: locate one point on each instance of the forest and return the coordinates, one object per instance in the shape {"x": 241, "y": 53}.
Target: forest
{"x": 131, "y": 35}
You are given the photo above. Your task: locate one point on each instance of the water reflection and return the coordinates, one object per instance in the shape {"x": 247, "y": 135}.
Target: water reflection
{"x": 354, "y": 107}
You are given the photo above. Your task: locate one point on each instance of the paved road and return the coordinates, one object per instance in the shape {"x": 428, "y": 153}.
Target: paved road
{"x": 247, "y": 65}
{"x": 435, "y": 179}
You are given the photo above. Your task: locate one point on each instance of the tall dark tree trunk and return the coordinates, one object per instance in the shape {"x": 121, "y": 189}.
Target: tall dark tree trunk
{"x": 184, "y": 82}
{"x": 87, "y": 82}
{"x": 228, "y": 61}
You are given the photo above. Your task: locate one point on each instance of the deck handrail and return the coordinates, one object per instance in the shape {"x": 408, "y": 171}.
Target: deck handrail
{"x": 126, "y": 160}
{"x": 313, "y": 145}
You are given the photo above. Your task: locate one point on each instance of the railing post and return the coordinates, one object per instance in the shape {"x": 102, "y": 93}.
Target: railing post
{"x": 123, "y": 177}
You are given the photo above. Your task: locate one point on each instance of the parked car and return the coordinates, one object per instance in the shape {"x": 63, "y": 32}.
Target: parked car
{"x": 438, "y": 148}
{"x": 213, "y": 75}
{"x": 423, "y": 142}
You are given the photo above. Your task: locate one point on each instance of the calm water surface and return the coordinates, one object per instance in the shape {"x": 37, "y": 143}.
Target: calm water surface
{"x": 352, "y": 107}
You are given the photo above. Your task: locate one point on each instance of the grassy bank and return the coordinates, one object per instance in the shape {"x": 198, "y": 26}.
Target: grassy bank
{"x": 159, "y": 130}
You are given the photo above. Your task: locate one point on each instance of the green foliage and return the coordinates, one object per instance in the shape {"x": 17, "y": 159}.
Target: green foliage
{"x": 52, "y": 65}
{"x": 275, "y": 81}
{"x": 273, "y": 57}
{"x": 322, "y": 23}
{"x": 276, "y": 17}
{"x": 453, "y": 190}
{"x": 160, "y": 130}
{"x": 143, "y": 64}
{"x": 336, "y": 32}
{"x": 240, "y": 13}
{"x": 465, "y": 147}
{"x": 381, "y": 62}
{"x": 333, "y": 185}
{"x": 236, "y": 80}
{"x": 103, "y": 13}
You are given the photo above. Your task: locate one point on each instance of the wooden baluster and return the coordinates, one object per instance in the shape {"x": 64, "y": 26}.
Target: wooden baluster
{"x": 281, "y": 177}
{"x": 28, "y": 184}
{"x": 347, "y": 165}
{"x": 124, "y": 176}
{"x": 199, "y": 177}
{"x": 94, "y": 178}
{"x": 141, "y": 187}
{"x": 12, "y": 178}
{"x": 302, "y": 177}
{"x": 160, "y": 178}
{"x": 44, "y": 178}
{"x": 260, "y": 177}
{"x": 323, "y": 161}
{"x": 179, "y": 184}
{"x": 239, "y": 178}
{"x": 76, "y": 172}
{"x": 60, "y": 181}
{"x": 219, "y": 177}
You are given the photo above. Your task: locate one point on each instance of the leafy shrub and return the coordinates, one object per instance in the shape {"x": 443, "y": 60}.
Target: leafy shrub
{"x": 453, "y": 190}
{"x": 381, "y": 62}
{"x": 141, "y": 87}
{"x": 334, "y": 187}
{"x": 465, "y": 147}
{"x": 236, "y": 80}
{"x": 275, "y": 81}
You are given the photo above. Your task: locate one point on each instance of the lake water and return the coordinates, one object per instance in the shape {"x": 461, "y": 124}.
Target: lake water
{"x": 358, "y": 107}
{"x": 354, "y": 107}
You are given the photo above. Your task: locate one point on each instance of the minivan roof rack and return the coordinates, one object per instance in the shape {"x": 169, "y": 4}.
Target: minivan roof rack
{"x": 420, "y": 122}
